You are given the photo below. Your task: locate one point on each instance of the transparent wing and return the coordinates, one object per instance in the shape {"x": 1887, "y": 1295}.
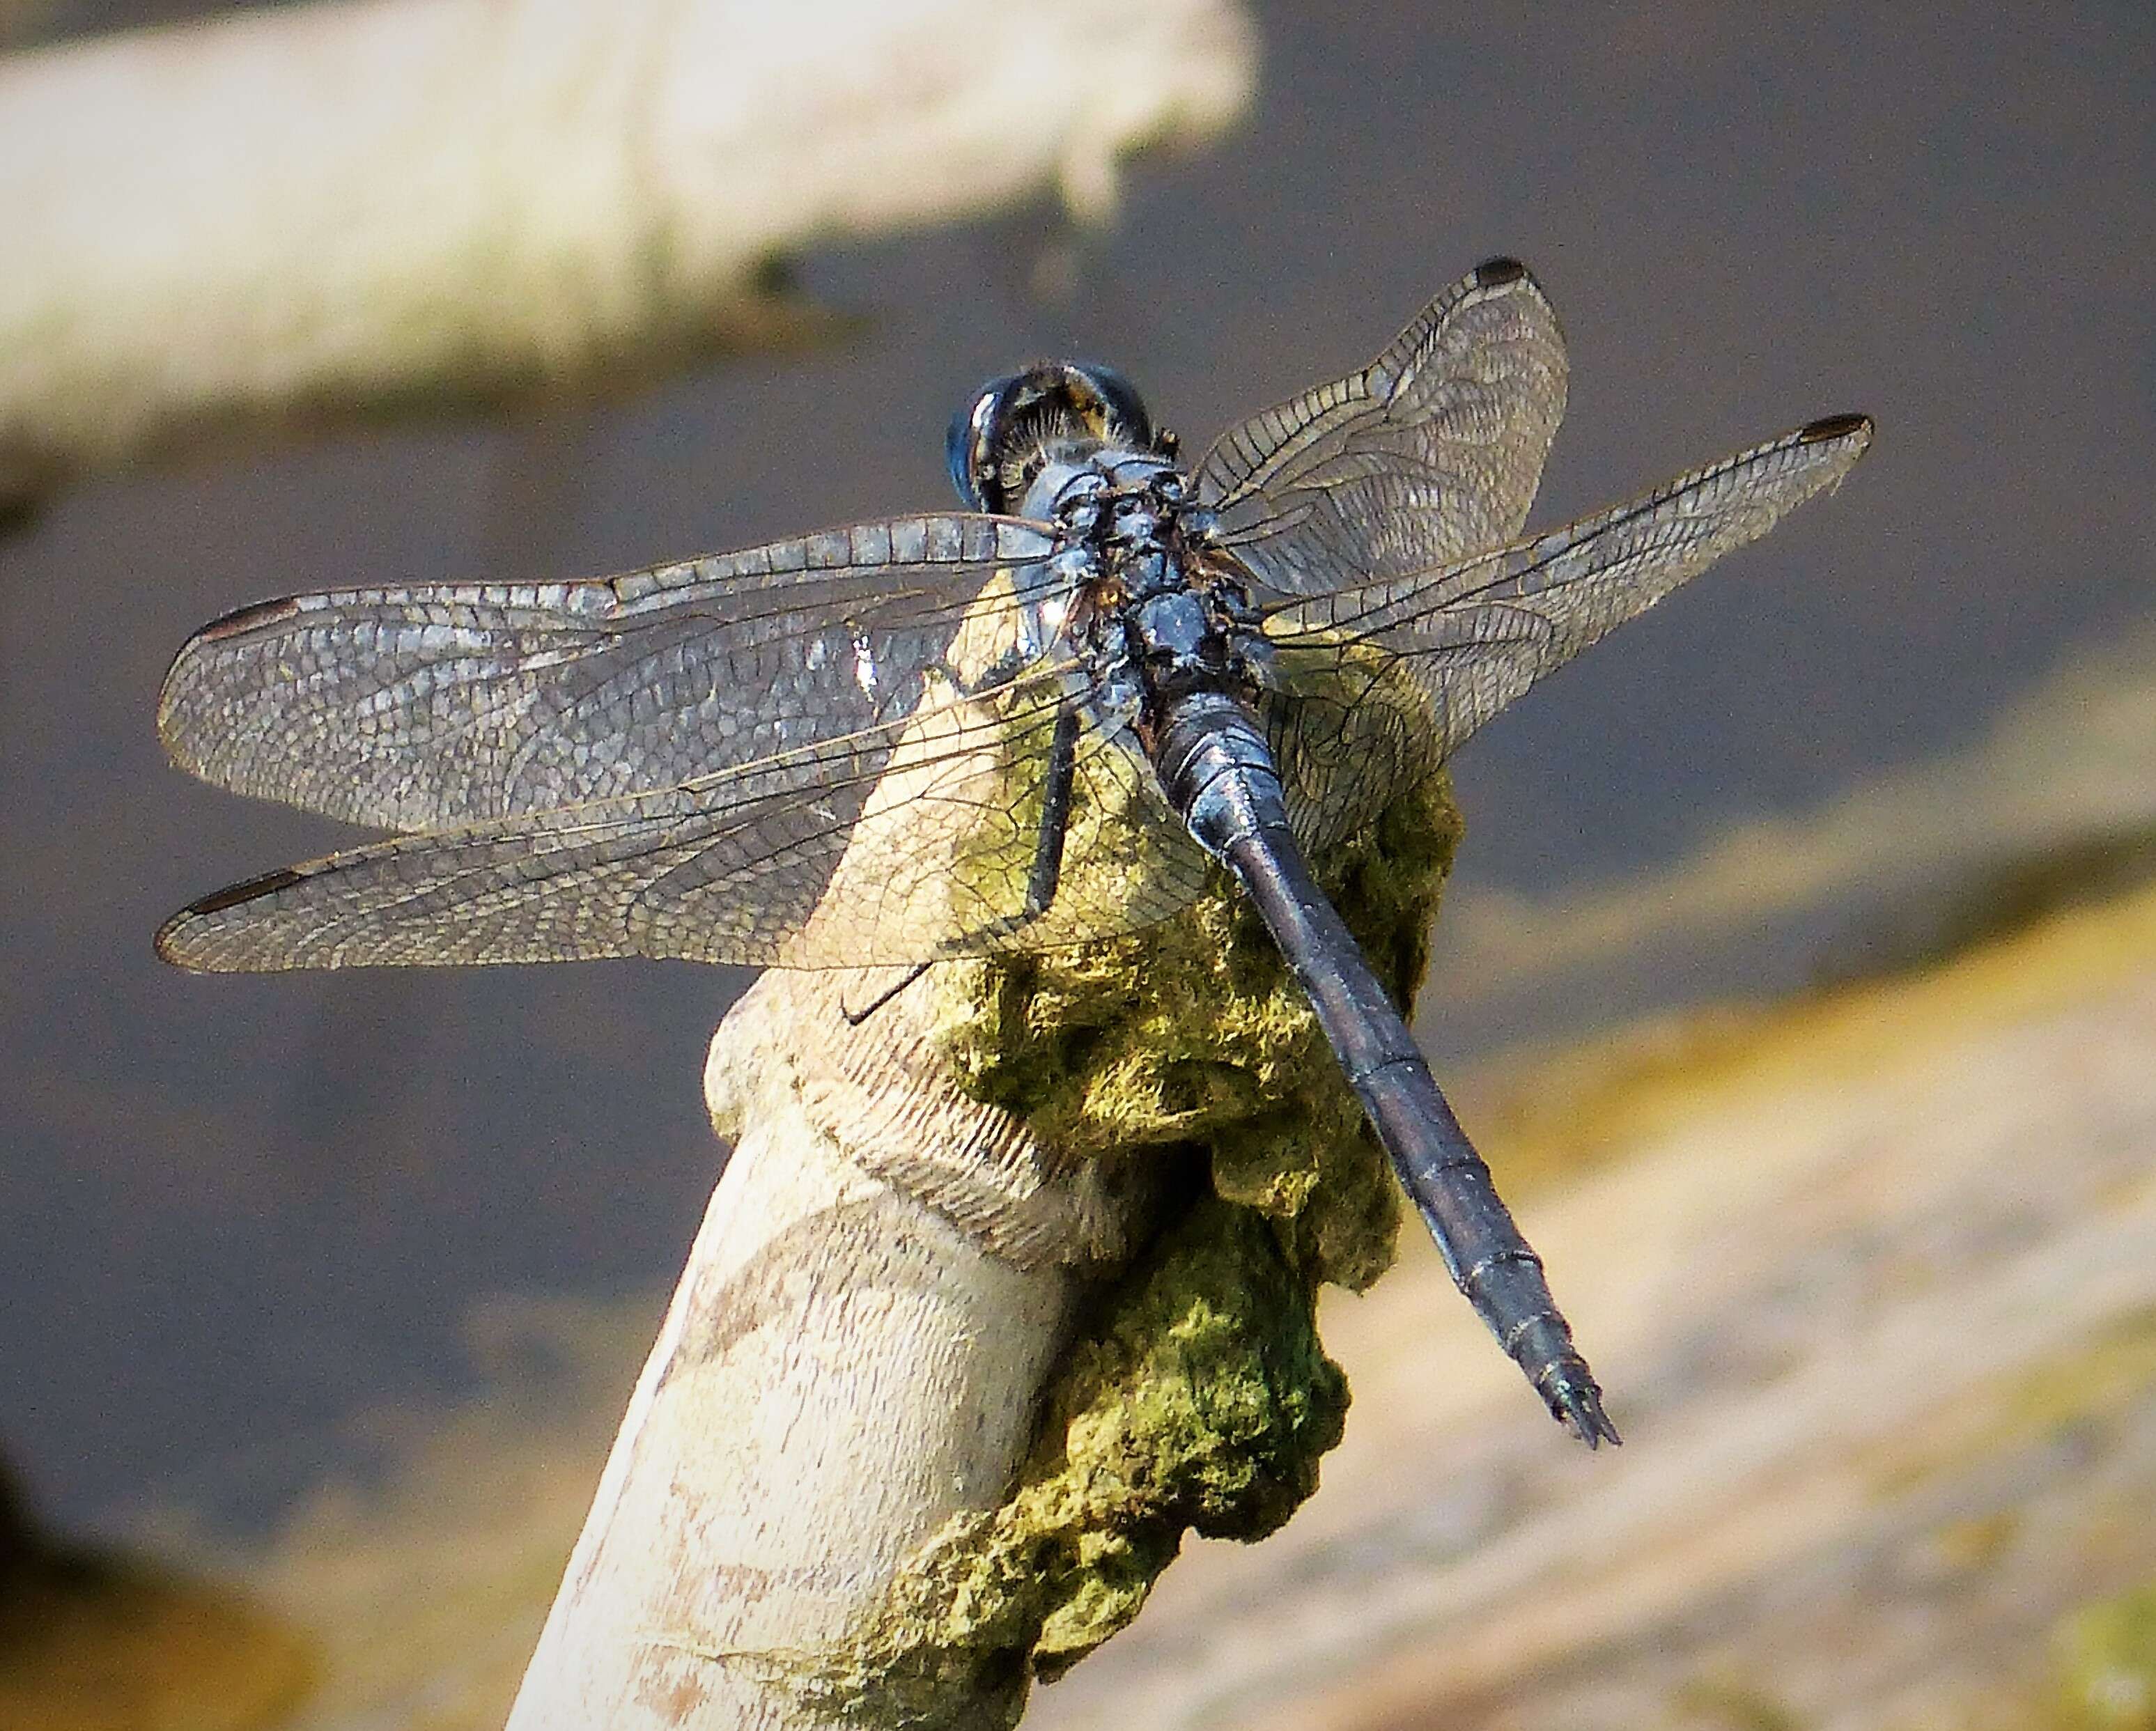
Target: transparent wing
{"x": 431, "y": 705}
{"x": 1428, "y": 453}
{"x": 1381, "y": 681}
{"x": 910, "y": 841}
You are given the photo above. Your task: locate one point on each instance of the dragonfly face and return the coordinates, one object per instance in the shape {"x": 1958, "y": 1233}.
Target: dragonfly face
{"x": 1037, "y": 722}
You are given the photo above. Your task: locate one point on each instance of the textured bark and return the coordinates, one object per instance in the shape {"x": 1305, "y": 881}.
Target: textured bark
{"x": 849, "y": 1362}
{"x": 379, "y": 202}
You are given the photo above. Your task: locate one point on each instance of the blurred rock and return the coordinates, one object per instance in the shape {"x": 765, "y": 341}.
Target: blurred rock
{"x": 91, "y": 1642}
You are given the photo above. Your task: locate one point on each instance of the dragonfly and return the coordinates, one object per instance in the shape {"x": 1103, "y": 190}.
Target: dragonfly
{"x": 1053, "y": 716}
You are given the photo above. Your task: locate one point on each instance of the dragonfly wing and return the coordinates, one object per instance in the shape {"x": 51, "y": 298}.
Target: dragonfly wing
{"x": 426, "y": 706}
{"x": 912, "y": 842}
{"x": 1381, "y": 681}
{"x": 1429, "y": 453}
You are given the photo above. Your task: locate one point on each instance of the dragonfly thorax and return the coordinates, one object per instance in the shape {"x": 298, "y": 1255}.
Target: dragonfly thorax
{"x": 1154, "y": 600}
{"x": 1181, "y": 644}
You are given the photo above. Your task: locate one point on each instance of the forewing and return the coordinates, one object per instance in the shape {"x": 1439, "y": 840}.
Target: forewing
{"x": 1381, "y": 681}
{"x": 426, "y": 706}
{"x": 1431, "y": 452}
{"x": 910, "y": 842}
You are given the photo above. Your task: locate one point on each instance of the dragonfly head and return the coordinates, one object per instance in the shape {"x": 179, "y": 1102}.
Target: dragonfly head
{"x": 1052, "y": 409}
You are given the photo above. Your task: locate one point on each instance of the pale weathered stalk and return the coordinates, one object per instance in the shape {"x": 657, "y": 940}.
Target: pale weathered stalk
{"x": 855, "y": 1354}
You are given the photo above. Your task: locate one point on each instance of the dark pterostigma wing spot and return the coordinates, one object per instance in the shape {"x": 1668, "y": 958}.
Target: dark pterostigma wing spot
{"x": 253, "y": 890}
{"x": 170, "y": 941}
{"x": 1836, "y": 426}
{"x": 252, "y": 617}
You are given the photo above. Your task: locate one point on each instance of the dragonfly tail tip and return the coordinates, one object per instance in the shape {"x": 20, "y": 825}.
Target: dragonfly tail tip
{"x": 1577, "y": 1407}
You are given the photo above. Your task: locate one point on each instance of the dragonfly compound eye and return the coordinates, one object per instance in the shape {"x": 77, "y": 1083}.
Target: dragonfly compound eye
{"x": 968, "y": 447}
{"x": 1111, "y": 405}
{"x": 1017, "y": 423}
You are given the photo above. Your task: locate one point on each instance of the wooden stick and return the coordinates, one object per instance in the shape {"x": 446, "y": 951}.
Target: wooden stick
{"x": 849, "y": 1362}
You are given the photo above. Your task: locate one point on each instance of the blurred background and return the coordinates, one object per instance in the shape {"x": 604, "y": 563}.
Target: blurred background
{"x": 1809, "y": 911}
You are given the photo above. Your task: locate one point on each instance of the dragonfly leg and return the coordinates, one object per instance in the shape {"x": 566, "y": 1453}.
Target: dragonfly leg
{"x": 854, "y": 1018}
{"x": 1056, "y": 789}
{"x": 1042, "y": 877}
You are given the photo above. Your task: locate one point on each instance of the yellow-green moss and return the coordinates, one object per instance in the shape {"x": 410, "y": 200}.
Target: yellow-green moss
{"x": 1202, "y": 1399}
{"x": 1197, "y": 1396}
{"x": 2106, "y": 1654}
{"x": 1194, "y": 1036}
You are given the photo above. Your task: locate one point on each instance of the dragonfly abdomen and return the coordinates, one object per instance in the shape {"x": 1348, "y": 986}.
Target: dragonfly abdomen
{"x": 1218, "y": 770}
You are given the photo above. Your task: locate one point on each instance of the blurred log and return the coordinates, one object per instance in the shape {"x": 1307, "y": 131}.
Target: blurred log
{"x": 378, "y": 204}
{"x": 1902, "y": 866}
